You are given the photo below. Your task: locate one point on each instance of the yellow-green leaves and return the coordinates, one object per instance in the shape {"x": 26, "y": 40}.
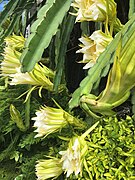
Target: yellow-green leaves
{"x": 111, "y": 149}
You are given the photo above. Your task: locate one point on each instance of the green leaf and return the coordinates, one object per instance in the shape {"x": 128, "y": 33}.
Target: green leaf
{"x": 9, "y": 29}
{"x": 60, "y": 56}
{"x": 43, "y": 30}
{"x": 9, "y": 8}
{"x": 7, "y": 152}
{"x": 131, "y": 8}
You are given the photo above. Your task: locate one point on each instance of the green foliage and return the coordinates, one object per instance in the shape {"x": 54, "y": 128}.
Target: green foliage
{"x": 28, "y": 140}
{"x": 11, "y": 17}
{"x": 61, "y": 48}
{"x": 43, "y": 30}
{"x": 111, "y": 149}
{"x": 131, "y": 8}
{"x": 8, "y": 96}
{"x": 8, "y": 170}
{"x": 8, "y": 10}
{"x": 50, "y": 30}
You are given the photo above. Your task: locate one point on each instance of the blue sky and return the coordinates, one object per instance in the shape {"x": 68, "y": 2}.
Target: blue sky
{"x": 2, "y": 5}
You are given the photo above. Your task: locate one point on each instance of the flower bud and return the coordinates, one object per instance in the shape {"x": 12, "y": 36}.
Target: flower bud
{"x": 16, "y": 117}
{"x": 51, "y": 168}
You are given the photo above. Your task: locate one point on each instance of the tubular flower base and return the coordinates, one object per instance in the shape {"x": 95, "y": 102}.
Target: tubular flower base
{"x": 94, "y": 10}
{"x": 51, "y": 168}
{"x": 93, "y": 46}
{"x": 36, "y": 77}
{"x": 49, "y": 120}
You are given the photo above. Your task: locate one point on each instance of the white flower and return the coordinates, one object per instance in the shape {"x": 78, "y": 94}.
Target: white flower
{"x": 94, "y": 10}
{"x": 93, "y": 46}
{"x": 49, "y": 120}
{"x": 35, "y": 77}
{"x": 71, "y": 159}
{"x": 21, "y": 78}
{"x": 51, "y": 168}
{"x": 11, "y": 66}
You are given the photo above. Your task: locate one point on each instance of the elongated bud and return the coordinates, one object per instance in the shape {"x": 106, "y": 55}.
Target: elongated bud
{"x": 16, "y": 117}
{"x": 48, "y": 168}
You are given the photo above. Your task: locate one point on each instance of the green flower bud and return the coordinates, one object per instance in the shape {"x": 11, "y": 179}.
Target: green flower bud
{"x": 51, "y": 168}
{"x": 16, "y": 117}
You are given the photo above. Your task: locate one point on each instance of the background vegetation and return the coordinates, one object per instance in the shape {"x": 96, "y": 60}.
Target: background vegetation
{"x": 54, "y": 41}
